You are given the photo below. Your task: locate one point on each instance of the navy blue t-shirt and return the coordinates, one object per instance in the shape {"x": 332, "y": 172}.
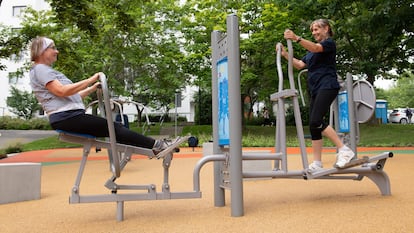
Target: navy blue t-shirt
{"x": 322, "y": 68}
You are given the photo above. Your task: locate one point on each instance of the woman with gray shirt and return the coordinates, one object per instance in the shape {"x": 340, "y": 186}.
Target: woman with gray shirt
{"x": 61, "y": 99}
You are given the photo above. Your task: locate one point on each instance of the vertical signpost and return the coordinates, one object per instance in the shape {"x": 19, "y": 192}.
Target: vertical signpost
{"x": 227, "y": 113}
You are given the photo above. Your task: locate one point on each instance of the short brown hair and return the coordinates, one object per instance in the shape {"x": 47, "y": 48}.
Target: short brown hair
{"x": 323, "y": 23}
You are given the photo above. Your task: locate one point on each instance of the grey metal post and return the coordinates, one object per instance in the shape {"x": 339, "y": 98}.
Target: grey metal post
{"x": 235, "y": 111}
{"x": 352, "y": 114}
{"x": 219, "y": 195}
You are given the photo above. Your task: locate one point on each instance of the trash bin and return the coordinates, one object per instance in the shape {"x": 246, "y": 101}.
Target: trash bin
{"x": 381, "y": 107}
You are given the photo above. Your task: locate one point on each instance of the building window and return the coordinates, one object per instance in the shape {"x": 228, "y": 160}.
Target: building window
{"x": 18, "y": 10}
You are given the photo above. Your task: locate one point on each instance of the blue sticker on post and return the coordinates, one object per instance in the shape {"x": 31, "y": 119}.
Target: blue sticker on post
{"x": 223, "y": 102}
{"x": 343, "y": 113}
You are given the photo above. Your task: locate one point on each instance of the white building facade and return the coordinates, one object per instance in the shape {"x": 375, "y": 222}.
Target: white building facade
{"x": 10, "y": 15}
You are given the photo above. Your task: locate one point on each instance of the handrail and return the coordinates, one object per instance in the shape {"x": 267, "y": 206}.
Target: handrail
{"x": 279, "y": 66}
{"x": 300, "y": 86}
{"x": 290, "y": 65}
{"x": 106, "y": 104}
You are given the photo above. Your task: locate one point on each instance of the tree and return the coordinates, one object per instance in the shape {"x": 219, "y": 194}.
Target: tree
{"x": 132, "y": 42}
{"x": 401, "y": 95}
{"x": 373, "y": 37}
{"x": 22, "y": 103}
{"x": 149, "y": 49}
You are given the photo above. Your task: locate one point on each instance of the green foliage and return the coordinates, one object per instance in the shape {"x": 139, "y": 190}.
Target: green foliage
{"x": 48, "y": 143}
{"x": 372, "y": 37}
{"x": 20, "y": 124}
{"x": 14, "y": 148}
{"x": 203, "y": 111}
{"x": 260, "y": 136}
{"x": 149, "y": 49}
{"x": 22, "y": 103}
{"x": 401, "y": 95}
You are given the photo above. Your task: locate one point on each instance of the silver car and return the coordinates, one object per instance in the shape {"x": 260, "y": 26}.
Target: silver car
{"x": 399, "y": 116}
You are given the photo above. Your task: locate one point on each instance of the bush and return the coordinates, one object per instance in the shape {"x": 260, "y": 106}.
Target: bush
{"x": 20, "y": 124}
{"x": 15, "y": 148}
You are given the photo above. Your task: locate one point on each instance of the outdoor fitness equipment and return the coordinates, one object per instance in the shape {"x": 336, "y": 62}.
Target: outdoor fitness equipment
{"x": 359, "y": 104}
{"x": 227, "y": 150}
{"x": 119, "y": 155}
{"x": 117, "y": 106}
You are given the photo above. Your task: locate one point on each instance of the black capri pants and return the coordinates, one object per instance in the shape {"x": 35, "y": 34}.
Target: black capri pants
{"x": 98, "y": 127}
{"x": 319, "y": 107}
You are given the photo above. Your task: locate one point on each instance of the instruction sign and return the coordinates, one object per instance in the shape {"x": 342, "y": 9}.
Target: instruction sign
{"x": 223, "y": 102}
{"x": 343, "y": 113}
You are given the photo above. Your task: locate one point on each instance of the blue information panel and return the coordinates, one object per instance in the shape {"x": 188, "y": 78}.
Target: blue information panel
{"x": 343, "y": 113}
{"x": 223, "y": 102}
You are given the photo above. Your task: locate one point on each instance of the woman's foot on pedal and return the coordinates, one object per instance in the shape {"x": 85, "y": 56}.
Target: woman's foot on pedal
{"x": 315, "y": 165}
{"x": 343, "y": 157}
{"x": 161, "y": 146}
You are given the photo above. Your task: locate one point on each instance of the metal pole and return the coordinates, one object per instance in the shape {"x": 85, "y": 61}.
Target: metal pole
{"x": 219, "y": 195}
{"x": 352, "y": 117}
{"x": 235, "y": 112}
{"x": 175, "y": 105}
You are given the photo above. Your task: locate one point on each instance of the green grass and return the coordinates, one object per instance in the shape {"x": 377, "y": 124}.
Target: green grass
{"x": 258, "y": 136}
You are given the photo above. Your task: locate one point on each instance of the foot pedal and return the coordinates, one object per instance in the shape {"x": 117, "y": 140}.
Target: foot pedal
{"x": 354, "y": 162}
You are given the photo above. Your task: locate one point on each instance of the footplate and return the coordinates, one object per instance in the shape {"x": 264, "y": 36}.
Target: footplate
{"x": 354, "y": 162}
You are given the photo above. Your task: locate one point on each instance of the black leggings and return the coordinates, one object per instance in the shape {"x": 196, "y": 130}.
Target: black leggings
{"x": 98, "y": 127}
{"x": 319, "y": 107}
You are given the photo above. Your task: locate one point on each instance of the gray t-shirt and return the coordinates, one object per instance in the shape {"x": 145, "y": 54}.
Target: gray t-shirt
{"x": 40, "y": 75}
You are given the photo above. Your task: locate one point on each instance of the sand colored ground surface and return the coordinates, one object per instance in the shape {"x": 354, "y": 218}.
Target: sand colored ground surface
{"x": 278, "y": 205}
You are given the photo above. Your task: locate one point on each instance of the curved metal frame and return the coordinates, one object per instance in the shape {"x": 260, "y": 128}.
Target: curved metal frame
{"x": 105, "y": 108}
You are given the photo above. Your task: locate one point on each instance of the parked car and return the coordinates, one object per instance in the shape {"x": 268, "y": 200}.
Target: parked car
{"x": 388, "y": 115}
{"x": 398, "y": 116}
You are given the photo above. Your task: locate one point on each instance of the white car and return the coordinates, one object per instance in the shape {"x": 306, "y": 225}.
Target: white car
{"x": 399, "y": 116}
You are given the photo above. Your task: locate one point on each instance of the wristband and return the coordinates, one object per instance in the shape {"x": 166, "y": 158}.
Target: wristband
{"x": 299, "y": 39}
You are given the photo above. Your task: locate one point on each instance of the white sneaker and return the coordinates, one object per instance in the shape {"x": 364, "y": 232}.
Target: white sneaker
{"x": 315, "y": 166}
{"x": 343, "y": 157}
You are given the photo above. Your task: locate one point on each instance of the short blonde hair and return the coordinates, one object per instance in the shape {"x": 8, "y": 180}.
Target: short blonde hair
{"x": 39, "y": 45}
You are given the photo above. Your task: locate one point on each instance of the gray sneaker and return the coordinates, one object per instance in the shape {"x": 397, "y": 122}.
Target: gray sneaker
{"x": 161, "y": 146}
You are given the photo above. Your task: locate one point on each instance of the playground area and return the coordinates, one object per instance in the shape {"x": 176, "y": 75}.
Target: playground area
{"x": 271, "y": 205}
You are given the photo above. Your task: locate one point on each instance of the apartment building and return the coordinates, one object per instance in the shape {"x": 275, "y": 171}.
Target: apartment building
{"x": 10, "y": 15}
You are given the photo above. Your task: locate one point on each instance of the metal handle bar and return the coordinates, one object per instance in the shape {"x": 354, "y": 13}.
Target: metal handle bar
{"x": 105, "y": 109}
{"x": 290, "y": 64}
{"x": 300, "y": 86}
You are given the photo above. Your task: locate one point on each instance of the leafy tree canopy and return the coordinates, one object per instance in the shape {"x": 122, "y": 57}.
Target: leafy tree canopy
{"x": 149, "y": 49}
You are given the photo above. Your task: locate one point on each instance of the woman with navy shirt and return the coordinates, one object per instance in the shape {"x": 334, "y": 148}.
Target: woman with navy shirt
{"x": 323, "y": 88}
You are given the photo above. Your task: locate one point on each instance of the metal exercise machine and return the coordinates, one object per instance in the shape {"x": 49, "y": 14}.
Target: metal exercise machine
{"x": 359, "y": 101}
{"x": 117, "y": 107}
{"x": 227, "y": 150}
{"x": 119, "y": 155}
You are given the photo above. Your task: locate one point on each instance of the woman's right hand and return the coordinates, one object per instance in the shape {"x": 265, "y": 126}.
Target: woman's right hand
{"x": 283, "y": 50}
